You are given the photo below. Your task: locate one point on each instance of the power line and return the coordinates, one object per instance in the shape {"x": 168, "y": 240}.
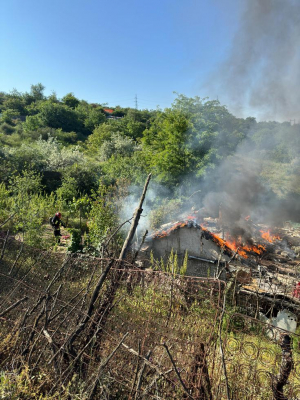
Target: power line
{"x": 136, "y": 102}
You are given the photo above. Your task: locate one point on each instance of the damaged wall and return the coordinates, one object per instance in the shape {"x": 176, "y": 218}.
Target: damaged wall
{"x": 192, "y": 240}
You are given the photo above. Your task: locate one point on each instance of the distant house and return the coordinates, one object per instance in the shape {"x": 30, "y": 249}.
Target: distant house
{"x": 108, "y": 110}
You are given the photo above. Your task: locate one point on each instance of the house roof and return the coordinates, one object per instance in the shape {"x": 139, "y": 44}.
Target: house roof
{"x": 108, "y": 110}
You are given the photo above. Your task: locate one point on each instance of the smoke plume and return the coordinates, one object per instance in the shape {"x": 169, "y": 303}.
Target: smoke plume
{"x": 261, "y": 75}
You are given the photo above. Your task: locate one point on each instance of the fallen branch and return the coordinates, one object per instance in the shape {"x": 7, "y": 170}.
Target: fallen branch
{"x": 156, "y": 378}
{"x": 13, "y": 306}
{"x": 116, "y": 231}
{"x": 132, "y": 351}
{"x": 9, "y": 218}
{"x": 4, "y": 245}
{"x": 177, "y": 372}
{"x": 53, "y": 347}
{"x": 140, "y": 377}
{"x": 136, "y": 370}
{"x": 103, "y": 365}
{"x": 17, "y": 258}
{"x": 94, "y": 297}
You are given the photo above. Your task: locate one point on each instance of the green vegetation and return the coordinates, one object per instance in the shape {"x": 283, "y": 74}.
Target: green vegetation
{"x": 71, "y": 156}
{"x": 56, "y": 154}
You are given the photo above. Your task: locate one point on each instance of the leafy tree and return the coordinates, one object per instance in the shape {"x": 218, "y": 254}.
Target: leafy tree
{"x": 85, "y": 174}
{"x": 7, "y": 128}
{"x": 100, "y": 135}
{"x": 33, "y": 123}
{"x": 81, "y": 207}
{"x": 14, "y": 101}
{"x": 57, "y": 115}
{"x": 91, "y": 115}
{"x": 70, "y": 100}
{"x": 134, "y": 129}
{"x": 24, "y": 158}
{"x": 67, "y": 192}
{"x": 28, "y": 206}
{"x": 165, "y": 149}
{"x": 102, "y": 217}
{"x": 130, "y": 169}
{"x": 3, "y": 96}
{"x": 5, "y": 202}
{"x": 94, "y": 118}
{"x": 37, "y": 92}
{"x": 9, "y": 115}
{"x": 27, "y": 183}
{"x": 117, "y": 145}
{"x": 55, "y": 156}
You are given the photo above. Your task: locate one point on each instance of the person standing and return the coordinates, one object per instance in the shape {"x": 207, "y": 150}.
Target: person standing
{"x": 56, "y": 222}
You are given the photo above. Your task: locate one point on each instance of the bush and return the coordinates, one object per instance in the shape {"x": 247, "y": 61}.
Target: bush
{"x": 75, "y": 240}
{"x": 102, "y": 217}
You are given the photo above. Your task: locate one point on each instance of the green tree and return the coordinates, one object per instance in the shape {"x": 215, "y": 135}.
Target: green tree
{"x": 102, "y": 217}
{"x": 14, "y": 101}
{"x": 131, "y": 169}
{"x": 33, "y": 123}
{"x": 37, "y": 92}
{"x": 70, "y": 100}
{"x": 100, "y": 134}
{"x": 117, "y": 145}
{"x": 56, "y": 115}
{"x": 28, "y": 206}
{"x": 9, "y": 115}
{"x": 85, "y": 174}
{"x": 67, "y": 192}
{"x": 165, "y": 146}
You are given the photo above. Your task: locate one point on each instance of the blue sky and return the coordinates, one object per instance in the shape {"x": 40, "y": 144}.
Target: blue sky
{"x": 110, "y": 51}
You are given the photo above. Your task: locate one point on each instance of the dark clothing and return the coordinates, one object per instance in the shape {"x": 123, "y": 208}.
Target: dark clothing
{"x": 56, "y": 223}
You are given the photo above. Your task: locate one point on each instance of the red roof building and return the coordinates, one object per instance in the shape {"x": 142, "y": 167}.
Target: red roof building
{"x": 108, "y": 110}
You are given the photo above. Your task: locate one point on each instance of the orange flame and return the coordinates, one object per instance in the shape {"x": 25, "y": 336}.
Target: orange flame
{"x": 166, "y": 232}
{"x": 268, "y": 236}
{"x": 235, "y": 246}
{"x": 229, "y": 244}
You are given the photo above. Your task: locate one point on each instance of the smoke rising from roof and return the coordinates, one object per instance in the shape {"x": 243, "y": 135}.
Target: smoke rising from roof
{"x": 262, "y": 73}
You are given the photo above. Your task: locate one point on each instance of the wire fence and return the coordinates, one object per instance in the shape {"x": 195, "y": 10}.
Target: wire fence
{"x": 128, "y": 333}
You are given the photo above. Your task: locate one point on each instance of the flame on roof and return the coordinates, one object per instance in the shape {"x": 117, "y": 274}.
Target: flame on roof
{"x": 229, "y": 245}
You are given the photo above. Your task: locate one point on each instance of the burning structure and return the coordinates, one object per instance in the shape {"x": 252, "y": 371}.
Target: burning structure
{"x": 189, "y": 238}
{"x": 263, "y": 264}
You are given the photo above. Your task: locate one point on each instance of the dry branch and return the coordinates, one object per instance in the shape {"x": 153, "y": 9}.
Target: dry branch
{"x": 140, "y": 376}
{"x": 4, "y": 245}
{"x": 17, "y": 259}
{"x": 103, "y": 365}
{"x": 177, "y": 372}
{"x": 53, "y": 347}
{"x": 13, "y": 306}
{"x": 9, "y": 218}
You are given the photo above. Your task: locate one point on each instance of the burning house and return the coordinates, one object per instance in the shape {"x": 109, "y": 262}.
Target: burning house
{"x": 204, "y": 256}
{"x": 264, "y": 265}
